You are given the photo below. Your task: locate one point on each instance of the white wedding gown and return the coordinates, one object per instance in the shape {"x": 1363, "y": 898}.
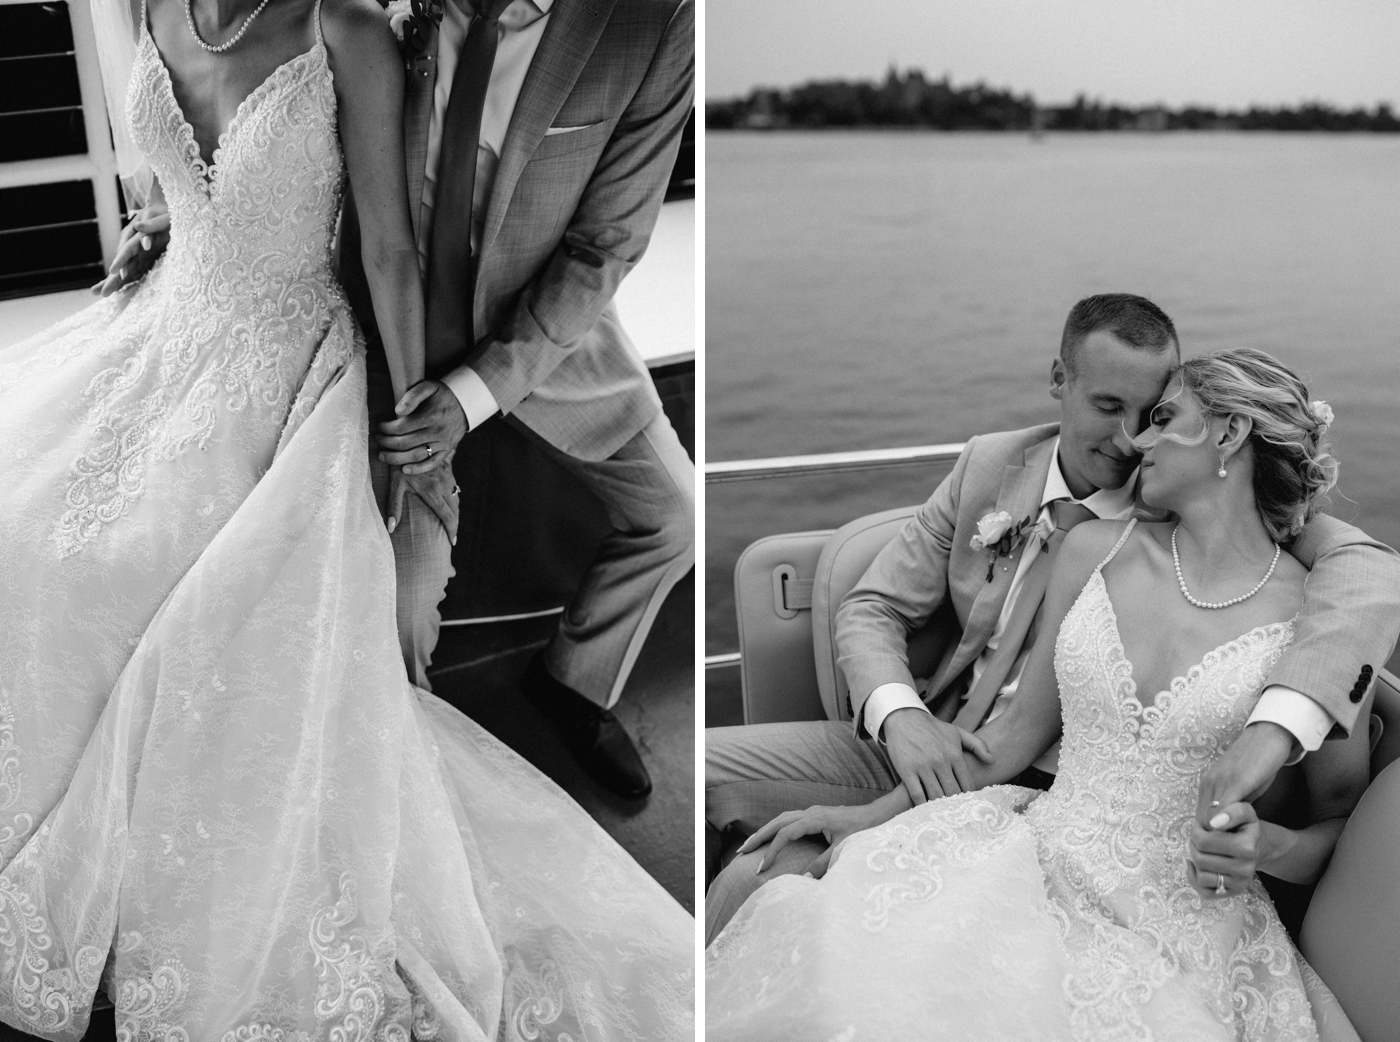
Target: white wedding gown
{"x": 220, "y": 798}
{"x": 997, "y": 915}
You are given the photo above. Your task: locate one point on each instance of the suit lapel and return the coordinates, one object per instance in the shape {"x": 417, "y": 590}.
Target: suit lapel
{"x": 420, "y": 80}
{"x": 568, "y": 41}
{"x": 1020, "y": 493}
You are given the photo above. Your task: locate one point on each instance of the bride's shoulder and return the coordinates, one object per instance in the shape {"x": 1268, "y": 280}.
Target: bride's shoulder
{"x": 355, "y": 24}
{"x": 1085, "y": 547}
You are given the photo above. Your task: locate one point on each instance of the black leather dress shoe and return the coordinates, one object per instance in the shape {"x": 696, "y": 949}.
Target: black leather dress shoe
{"x": 592, "y": 734}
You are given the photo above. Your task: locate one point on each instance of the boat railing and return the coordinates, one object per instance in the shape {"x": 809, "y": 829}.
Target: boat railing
{"x": 821, "y": 464}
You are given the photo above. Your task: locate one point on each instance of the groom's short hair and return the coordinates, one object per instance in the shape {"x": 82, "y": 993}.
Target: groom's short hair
{"x": 1132, "y": 319}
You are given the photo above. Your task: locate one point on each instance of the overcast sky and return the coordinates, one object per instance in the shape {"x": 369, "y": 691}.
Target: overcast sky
{"x": 1225, "y": 53}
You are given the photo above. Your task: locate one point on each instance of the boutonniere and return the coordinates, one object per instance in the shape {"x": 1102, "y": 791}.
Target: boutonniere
{"x": 1000, "y": 534}
{"x": 412, "y": 22}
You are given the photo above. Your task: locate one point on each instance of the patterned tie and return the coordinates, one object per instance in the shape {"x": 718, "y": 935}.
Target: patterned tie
{"x": 1066, "y": 514}
{"x": 451, "y": 270}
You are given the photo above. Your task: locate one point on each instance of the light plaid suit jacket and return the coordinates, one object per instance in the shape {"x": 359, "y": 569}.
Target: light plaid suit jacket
{"x": 570, "y": 214}
{"x": 1350, "y": 615}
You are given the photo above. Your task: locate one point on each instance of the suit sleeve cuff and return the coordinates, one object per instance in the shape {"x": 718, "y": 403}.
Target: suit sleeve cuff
{"x": 476, "y": 399}
{"x": 884, "y": 700}
{"x": 1297, "y": 714}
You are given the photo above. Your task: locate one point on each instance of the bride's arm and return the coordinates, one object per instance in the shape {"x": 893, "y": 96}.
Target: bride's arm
{"x": 369, "y": 91}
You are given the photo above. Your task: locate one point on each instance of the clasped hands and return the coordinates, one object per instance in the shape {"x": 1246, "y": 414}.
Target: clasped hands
{"x": 928, "y": 756}
{"x": 418, "y": 445}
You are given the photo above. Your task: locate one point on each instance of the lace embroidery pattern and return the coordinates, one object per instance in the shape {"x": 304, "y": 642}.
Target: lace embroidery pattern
{"x": 236, "y": 308}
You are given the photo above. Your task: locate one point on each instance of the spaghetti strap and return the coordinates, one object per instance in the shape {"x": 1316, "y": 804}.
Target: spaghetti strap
{"x": 1118, "y": 545}
{"x": 315, "y": 17}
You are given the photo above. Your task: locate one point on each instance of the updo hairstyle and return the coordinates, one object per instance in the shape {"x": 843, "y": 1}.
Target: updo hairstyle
{"x": 1293, "y": 471}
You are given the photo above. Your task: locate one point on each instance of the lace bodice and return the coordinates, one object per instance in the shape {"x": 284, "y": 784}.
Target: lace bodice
{"x": 262, "y": 214}
{"x": 231, "y": 316}
{"x": 1129, "y": 774}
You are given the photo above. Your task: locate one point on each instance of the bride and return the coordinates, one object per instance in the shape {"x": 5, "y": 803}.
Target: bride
{"x": 1103, "y": 909}
{"x": 221, "y": 801}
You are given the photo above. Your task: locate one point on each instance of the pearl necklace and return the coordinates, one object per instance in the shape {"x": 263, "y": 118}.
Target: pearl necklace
{"x": 1181, "y": 579}
{"x": 189, "y": 17}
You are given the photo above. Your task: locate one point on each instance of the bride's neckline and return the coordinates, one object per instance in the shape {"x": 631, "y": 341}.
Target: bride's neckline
{"x": 206, "y": 171}
{"x": 1184, "y": 681}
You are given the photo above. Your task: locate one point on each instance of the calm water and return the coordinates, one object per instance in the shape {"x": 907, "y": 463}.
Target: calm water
{"x": 870, "y": 289}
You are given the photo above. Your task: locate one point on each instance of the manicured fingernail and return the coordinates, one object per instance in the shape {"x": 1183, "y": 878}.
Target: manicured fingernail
{"x": 760, "y": 869}
{"x": 381, "y": 457}
{"x": 145, "y": 242}
{"x": 809, "y": 875}
{"x": 393, "y": 524}
{"x": 1220, "y": 820}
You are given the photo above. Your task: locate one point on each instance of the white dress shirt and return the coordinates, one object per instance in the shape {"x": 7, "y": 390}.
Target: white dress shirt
{"x": 521, "y": 26}
{"x": 1305, "y": 719}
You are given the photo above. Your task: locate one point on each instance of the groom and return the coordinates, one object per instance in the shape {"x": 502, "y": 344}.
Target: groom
{"x": 539, "y": 139}
{"x": 1116, "y": 354}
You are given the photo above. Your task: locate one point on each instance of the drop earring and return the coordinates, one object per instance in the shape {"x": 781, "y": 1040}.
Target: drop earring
{"x": 1221, "y": 471}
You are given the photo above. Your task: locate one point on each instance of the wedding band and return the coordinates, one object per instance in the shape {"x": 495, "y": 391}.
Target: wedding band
{"x": 456, "y": 490}
{"x": 1220, "y": 887}
{"x": 429, "y": 448}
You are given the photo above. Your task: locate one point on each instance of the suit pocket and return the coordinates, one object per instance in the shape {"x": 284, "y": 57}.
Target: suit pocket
{"x": 559, "y": 141}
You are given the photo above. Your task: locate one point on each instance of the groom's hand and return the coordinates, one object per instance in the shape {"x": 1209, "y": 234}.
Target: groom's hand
{"x": 927, "y": 754}
{"x": 1245, "y": 770}
{"x": 427, "y": 417}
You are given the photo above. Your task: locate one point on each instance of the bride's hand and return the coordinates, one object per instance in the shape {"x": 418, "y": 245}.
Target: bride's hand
{"x": 1227, "y": 848}
{"x": 835, "y": 823}
{"x": 437, "y": 488}
{"x": 142, "y": 242}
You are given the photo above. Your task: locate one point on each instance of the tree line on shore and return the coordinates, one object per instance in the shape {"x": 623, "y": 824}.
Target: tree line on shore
{"x": 911, "y": 100}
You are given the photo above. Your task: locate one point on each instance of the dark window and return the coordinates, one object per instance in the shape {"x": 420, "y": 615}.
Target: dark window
{"x": 48, "y": 238}
{"x": 41, "y": 112}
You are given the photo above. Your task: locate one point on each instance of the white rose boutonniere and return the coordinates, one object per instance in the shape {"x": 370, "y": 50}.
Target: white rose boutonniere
{"x": 991, "y": 528}
{"x": 1000, "y": 534}
{"x": 399, "y": 11}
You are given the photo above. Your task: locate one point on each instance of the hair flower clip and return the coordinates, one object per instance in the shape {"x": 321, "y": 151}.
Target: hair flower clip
{"x": 1322, "y": 413}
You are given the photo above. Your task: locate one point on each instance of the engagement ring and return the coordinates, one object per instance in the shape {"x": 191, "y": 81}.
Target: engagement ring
{"x": 1220, "y": 887}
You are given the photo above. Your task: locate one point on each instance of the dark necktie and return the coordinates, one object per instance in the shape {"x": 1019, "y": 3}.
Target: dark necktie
{"x": 1067, "y": 514}
{"x": 451, "y": 272}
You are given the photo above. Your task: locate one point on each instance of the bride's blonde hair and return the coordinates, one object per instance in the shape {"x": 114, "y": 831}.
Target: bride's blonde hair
{"x": 1293, "y": 469}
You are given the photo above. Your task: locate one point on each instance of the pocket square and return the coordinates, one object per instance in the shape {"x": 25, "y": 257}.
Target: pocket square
{"x": 568, "y": 130}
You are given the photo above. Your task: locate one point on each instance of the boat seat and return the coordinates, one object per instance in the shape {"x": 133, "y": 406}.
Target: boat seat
{"x": 1351, "y": 933}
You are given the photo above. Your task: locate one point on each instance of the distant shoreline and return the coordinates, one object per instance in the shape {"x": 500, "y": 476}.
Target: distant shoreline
{"x": 911, "y": 101}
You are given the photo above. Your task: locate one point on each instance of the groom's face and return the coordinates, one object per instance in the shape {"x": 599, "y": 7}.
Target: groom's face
{"x": 1113, "y": 385}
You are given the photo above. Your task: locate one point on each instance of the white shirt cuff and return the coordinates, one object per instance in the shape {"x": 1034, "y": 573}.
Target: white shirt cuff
{"x": 1297, "y": 714}
{"x": 883, "y": 701}
{"x": 476, "y": 399}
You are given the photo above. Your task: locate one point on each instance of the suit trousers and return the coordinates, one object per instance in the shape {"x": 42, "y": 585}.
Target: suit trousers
{"x": 756, "y": 772}
{"x": 648, "y": 490}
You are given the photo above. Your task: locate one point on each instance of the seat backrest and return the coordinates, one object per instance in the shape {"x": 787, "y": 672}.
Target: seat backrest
{"x": 772, "y": 599}
{"x": 844, "y": 559}
{"x": 1386, "y": 708}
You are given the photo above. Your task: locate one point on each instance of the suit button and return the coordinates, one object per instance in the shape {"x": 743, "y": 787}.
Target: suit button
{"x": 1356, "y": 695}
{"x": 1365, "y": 671}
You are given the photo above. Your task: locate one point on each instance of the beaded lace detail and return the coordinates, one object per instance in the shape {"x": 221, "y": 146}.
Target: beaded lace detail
{"x": 243, "y": 296}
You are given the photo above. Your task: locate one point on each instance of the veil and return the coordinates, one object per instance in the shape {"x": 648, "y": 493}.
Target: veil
{"x": 116, "y": 32}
